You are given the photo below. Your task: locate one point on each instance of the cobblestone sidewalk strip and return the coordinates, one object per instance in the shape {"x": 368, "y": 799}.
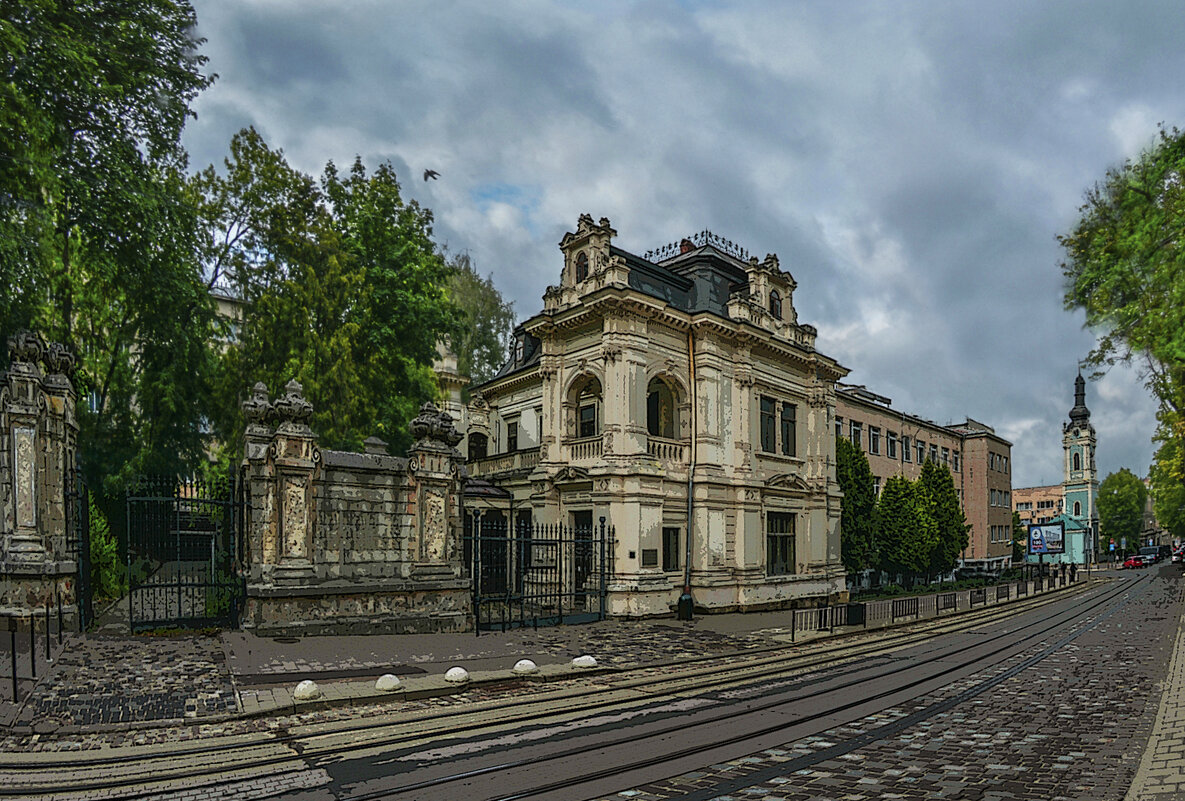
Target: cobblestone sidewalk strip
{"x": 1161, "y": 775}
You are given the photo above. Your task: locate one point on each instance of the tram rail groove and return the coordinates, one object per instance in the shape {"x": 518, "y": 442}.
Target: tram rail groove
{"x": 747, "y": 671}
{"x": 309, "y": 753}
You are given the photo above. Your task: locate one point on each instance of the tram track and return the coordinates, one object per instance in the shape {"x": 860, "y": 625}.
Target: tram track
{"x": 635, "y": 743}
{"x": 298, "y": 749}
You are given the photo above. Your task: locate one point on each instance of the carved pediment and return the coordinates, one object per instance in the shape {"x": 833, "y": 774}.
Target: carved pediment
{"x": 570, "y": 475}
{"x": 788, "y": 481}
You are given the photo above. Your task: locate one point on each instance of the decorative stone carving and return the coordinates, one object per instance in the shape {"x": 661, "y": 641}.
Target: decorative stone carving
{"x": 435, "y": 527}
{"x": 23, "y": 441}
{"x": 434, "y": 426}
{"x": 292, "y": 412}
{"x": 60, "y": 360}
{"x": 295, "y": 518}
{"x": 25, "y": 348}
{"x": 257, "y": 410}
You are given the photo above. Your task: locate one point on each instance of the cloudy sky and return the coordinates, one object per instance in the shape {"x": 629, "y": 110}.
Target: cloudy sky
{"x": 910, "y": 163}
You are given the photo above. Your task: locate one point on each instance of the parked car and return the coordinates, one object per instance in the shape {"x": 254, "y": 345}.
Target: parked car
{"x": 1135, "y": 561}
{"x": 1177, "y": 554}
{"x": 1151, "y": 552}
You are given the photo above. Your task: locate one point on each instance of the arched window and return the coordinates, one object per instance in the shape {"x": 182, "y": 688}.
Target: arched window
{"x": 775, "y": 304}
{"x": 660, "y": 409}
{"x": 588, "y": 409}
{"x": 581, "y": 266}
{"x": 478, "y": 445}
{"x": 1077, "y": 509}
{"x": 1077, "y": 463}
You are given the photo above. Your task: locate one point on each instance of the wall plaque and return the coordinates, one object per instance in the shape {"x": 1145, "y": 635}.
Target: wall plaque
{"x": 24, "y": 476}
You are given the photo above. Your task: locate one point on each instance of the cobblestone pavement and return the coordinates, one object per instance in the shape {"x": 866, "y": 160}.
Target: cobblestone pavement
{"x": 105, "y": 680}
{"x": 1073, "y": 726}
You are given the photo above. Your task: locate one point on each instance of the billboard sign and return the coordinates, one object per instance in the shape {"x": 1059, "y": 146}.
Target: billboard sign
{"x": 1047, "y": 538}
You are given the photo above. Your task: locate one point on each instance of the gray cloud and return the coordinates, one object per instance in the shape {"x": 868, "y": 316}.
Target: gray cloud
{"x": 911, "y": 163}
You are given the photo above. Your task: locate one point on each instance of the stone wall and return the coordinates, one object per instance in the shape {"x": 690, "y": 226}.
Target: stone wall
{"x": 38, "y": 436}
{"x": 341, "y": 542}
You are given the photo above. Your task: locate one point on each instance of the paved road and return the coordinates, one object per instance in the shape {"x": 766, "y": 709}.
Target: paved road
{"x": 1063, "y": 715}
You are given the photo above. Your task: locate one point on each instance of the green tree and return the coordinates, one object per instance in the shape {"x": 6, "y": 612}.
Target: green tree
{"x": 481, "y": 341}
{"x": 340, "y": 286}
{"x": 1121, "y": 506}
{"x": 1020, "y": 539}
{"x": 858, "y": 509}
{"x": 950, "y": 526}
{"x": 1125, "y": 267}
{"x": 906, "y": 533}
{"x": 96, "y": 231}
{"x": 1168, "y": 491}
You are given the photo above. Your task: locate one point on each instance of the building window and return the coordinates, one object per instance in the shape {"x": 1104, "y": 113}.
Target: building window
{"x": 891, "y": 444}
{"x": 946, "y": 456}
{"x": 789, "y": 429}
{"x": 511, "y": 437}
{"x": 906, "y": 452}
{"x": 768, "y": 428}
{"x": 933, "y": 453}
{"x": 874, "y": 440}
{"x": 539, "y": 426}
{"x": 660, "y": 409}
{"x": 838, "y": 426}
{"x": 955, "y": 457}
{"x": 1077, "y": 509}
{"x": 670, "y": 548}
{"x": 856, "y": 430}
{"x": 1077, "y": 461}
{"x": 921, "y": 451}
{"x": 478, "y": 446}
{"x": 519, "y": 346}
{"x": 1005, "y": 458}
{"x": 588, "y": 402}
{"x": 581, "y": 266}
{"x": 779, "y": 544}
{"x": 588, "y": 420}
{"x": 775, "y": 304}
{"x": 876, "y": 486}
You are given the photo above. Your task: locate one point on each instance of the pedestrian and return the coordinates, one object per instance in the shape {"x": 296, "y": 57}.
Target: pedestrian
{"x": 1073, "y": 572}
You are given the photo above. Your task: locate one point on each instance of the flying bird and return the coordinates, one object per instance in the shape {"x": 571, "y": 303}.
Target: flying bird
{"x": 433, "y": 174}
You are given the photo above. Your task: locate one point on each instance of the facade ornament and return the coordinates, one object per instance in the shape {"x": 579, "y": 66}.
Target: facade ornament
{"x": 433, "y": 425}
{"x": 25, "y": 351}
{"x": 611, "y": 351}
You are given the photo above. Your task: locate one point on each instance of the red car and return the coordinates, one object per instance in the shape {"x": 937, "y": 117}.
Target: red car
{"x": 1135, "y": 561}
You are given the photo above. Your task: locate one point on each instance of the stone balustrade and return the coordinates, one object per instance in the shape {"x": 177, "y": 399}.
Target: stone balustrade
{"x": 583, "y": 450}
{"x": 667, "y": 450}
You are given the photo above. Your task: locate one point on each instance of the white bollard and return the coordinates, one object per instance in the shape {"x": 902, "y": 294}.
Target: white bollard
{"x": 584, "y": 662}
{"x": 456, "y": 675}
{"x": 307, "y": 690}
{"x": 525, "y": 667}
{"x": 388, "y": 682}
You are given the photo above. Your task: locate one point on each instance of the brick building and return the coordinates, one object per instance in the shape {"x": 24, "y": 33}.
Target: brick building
{"x": 897, "y": 443}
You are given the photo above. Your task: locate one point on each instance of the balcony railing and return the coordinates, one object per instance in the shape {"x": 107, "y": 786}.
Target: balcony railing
{"x": 579, "y": 450}
{"x": 503, "y": 462}
{"x": 667, "y": 450}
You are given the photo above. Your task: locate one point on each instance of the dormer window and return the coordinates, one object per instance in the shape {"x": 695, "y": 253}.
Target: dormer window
{"x": 519, "y": 347}
{"x": 775, "y": 304}
{"x": 581, "y": 266}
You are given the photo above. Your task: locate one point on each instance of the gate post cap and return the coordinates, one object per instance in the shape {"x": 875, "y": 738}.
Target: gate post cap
{"x": 307, "y": 690}
{"x": 585, "y": 662}
{"x": 525, "y": 667}
{"x": 388, "y": 682}
{"x": 456, "y": 675}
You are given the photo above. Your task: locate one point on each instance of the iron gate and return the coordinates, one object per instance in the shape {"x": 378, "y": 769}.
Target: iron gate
{"x": 78, "y": 544}
{"x": 183, "y": 552}
{"x": 537, "y": 575}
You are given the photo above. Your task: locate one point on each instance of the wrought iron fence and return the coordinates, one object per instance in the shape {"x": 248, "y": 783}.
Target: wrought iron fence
{"x": 537, "y": 574}
{"x": 183, "y": 552}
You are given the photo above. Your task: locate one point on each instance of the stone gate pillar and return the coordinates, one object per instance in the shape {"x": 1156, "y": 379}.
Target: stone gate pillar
{"x": 293, "y": 455}
{"x": 259, "y": 532}
{"x": 434, "y": 467}
{"x": 38, "y": 442}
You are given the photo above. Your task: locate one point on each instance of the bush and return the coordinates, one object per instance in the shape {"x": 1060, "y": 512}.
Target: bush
{"x": 108, "y": 576}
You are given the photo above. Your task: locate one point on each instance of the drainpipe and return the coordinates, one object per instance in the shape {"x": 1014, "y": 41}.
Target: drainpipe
{"x": 686, "y": 604}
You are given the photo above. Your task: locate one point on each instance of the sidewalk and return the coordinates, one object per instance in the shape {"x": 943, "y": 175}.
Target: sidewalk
{"x": 1161, "y": 775}
{"x": 109, "y": 680}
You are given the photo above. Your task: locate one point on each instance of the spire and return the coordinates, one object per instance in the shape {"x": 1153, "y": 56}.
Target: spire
{"x": 1079, "y": 414}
